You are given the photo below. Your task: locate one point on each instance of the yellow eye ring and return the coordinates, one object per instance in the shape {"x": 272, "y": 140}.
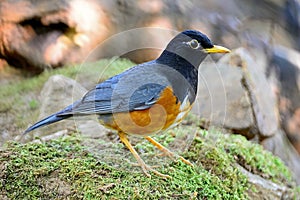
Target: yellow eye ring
{"x": 194, "y": 44}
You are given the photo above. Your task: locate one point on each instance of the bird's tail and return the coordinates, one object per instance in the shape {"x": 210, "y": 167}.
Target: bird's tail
{"x": 51, "y": 119}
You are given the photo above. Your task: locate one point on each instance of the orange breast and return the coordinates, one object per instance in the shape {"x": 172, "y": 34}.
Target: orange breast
{"x": 145, "y": 122}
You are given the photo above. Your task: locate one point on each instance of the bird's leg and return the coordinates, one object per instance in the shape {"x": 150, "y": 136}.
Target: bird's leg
{"x": 166, "y": 151}
{"x": 143, "y": 165}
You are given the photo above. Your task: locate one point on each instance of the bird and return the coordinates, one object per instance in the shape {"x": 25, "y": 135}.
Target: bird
{"x": 148, "y": 98}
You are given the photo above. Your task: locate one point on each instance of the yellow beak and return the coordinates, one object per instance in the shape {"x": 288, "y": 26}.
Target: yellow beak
{"x": 216, "y": 49}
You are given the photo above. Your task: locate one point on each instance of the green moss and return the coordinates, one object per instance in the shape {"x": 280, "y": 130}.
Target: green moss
{"x": 256, "y": 160}
{"x": 33, "y": 104}
{"x": 67, "y": 168}
{"x": 214, "y": 159}
{"x": 71, "y": 166}
{"x": 29, "y": 166}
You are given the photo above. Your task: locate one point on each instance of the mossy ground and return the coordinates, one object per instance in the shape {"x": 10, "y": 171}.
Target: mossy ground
{"x": 66, "y": 168}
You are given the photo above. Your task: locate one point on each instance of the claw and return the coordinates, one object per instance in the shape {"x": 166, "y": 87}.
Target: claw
{"x": 147, "y": 168}
{"x": 186, "y": 161}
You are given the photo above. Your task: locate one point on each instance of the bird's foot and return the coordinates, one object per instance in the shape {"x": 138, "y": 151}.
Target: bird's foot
{"x": 146, "y": 169}
{"x": 167, "y": 152}
{"x": 186, "y": 161}
{"x": 174, "y": 157}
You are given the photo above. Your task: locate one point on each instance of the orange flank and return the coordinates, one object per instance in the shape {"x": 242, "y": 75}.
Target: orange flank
{"x": 150, "y": 121}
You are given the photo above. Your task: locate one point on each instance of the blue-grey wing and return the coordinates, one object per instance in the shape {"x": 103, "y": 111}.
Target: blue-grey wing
{"x": 119, "y": 94}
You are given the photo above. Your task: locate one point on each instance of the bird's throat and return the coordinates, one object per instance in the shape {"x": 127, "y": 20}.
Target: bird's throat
{"x": 187, "y": 68}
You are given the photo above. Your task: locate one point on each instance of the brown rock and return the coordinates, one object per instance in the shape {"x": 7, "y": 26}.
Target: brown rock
{"x": 41, "y": 34}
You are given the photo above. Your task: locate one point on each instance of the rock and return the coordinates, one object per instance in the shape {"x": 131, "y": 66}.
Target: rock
{"x": 222, "y": 99}
{"x": 40, "y": 34}
{"x": 239, "y": 99}
{"x": 263, "y": 101}
{"x": 57, "y": 93}
{"x": 284, "y": 72}
{"x": 265, "y": 189}
{"x": 292, "y": 20}
{"x": 264, "y": 104}
{"x": 51, "y": 137}
{"x": 237, "y": 95}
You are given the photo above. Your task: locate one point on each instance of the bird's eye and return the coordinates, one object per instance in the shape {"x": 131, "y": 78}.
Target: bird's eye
{"x": 194, "y": 44}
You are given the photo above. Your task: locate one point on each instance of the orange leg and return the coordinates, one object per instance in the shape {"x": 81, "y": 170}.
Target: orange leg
{"x": 144, "y": 167}
{"x": 166, "y": 151}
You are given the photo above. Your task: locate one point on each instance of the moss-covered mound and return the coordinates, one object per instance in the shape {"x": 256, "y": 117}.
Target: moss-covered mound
{"x": 66, "y": 168}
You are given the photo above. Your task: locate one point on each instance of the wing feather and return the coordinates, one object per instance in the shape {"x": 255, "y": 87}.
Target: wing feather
{"x": 120, "y": 94}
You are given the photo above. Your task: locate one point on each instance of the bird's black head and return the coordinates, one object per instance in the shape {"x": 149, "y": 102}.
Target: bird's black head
{"x": 192, "y": 39}
{"x": 192, "y": 46}
{"x": 184, "y": 54}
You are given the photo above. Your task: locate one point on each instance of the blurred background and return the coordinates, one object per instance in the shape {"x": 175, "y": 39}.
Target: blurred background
{"x": 262, "y": 96}
{"x": 40, "y": 34}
